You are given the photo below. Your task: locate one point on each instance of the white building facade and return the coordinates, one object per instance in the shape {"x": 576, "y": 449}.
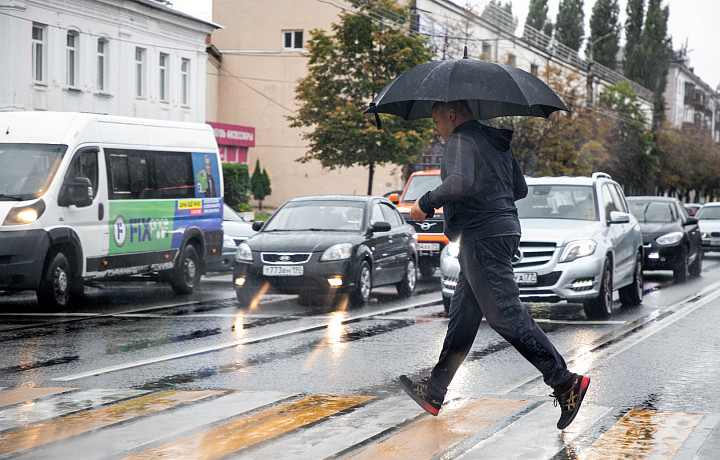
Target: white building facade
{"x": 132, "y": 58}
{"x": 690, "y": 101}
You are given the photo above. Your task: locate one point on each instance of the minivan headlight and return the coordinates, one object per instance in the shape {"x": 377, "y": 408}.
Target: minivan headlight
{"x": 577, "y": 249}
{"x": 337, "y": 252}
{"x": 27, "y": 214}
{"x": 669, "y": 238}
{"x": 244, "y": 253}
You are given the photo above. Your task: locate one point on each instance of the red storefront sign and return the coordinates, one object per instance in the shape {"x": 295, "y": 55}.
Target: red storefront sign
{"x": 239, "y": 136}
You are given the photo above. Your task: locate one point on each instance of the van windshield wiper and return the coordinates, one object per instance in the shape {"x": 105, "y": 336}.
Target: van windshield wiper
{"x": 12, "y": 197}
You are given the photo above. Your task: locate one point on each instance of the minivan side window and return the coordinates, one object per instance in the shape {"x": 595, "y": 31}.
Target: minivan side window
{"x": 137, "y": 174}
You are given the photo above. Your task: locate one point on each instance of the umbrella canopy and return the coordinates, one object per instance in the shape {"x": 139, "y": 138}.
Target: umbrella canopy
{"x": 492, "y": 90}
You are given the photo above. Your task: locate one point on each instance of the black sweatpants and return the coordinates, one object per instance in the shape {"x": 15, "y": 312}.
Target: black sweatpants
{"x": 486, "y": 286}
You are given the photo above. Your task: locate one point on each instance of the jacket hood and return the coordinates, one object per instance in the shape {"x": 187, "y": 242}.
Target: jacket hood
{"x": 498, "y": 138}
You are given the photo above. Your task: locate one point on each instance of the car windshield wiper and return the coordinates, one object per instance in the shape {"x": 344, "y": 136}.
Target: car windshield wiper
{"x": 12, "y": 197}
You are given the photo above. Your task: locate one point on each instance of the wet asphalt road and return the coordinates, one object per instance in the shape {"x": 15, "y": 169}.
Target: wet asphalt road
{"x": 660, "y": 356}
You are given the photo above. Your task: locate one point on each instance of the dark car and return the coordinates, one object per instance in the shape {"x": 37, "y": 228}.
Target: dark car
{"x": 671, "y": 238}
{"x": 322, "y": 246}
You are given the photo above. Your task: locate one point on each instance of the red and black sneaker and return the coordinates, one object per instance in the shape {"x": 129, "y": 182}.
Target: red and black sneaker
{"x": 570, "y": 400}
{"x": 419, "y": 392}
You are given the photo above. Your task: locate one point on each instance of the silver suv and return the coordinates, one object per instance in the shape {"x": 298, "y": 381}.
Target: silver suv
{"x": 579, "y": 243}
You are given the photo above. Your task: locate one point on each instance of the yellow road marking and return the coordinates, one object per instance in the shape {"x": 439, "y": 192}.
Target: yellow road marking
{"x": 231, "y": 437}
{"x": 43, "y": 433}
{"x": 643, "y": 434}
{"x": 21, "y": 394}
{"x": 432, "y": 436}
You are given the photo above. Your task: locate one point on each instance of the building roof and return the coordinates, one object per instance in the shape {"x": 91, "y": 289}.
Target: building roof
{"x": 175, "y": 12}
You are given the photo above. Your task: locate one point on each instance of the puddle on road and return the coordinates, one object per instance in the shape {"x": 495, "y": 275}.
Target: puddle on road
{"x": 37, "y": 365}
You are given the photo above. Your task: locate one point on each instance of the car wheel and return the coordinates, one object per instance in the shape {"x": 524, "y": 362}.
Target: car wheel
{"x": 363, "y": 286}
{"x": 406, "y": 287}
{"x": 427, "y": 270}
{"x": 601, "y": 306}
{"x": 446, "y": 303}
{"x": 682, "y": 271}
{"x": 186, "y": 274}
{"x": 633, "y": 293}
{"x": 696, "y": 267}
{"x": 56, "y": 285}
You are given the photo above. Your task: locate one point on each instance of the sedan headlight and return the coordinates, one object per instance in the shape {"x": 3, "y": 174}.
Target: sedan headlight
{"x": 244, "y": 253}
{"x": 577, "y": 249}
{"x": 337, "y": 252}
{"x": 669, "y": 238}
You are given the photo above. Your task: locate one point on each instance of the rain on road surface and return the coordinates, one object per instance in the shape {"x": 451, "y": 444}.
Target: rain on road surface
{"x": 136, "y": 371}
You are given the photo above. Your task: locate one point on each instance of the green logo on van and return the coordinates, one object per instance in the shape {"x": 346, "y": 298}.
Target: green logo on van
{"x": 140, "y": 226}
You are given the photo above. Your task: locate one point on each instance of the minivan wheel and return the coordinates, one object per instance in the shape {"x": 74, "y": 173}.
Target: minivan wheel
{"x": 56, "y": 284}
{"x": 407, "y": 285}
{"x": 601, "y": 306}
{"x": 186, "y": 274}
{"x": 633, "y": 293}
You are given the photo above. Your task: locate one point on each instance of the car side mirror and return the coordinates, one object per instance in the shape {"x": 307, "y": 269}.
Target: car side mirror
{"x": 78, "y": 192}
{"x": 381, "y": 227}
{"x": 617, "y": 217}
{"x": 691, "y": 221}
{"x": 394, "y": 198}
{"x": 257, "y": 225}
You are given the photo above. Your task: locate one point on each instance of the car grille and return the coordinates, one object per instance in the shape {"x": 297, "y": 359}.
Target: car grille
{"x": 428, "y": 226}
{"x": 534, "y": 254}
{"x": 714, "y": 234}
{"x": 285, "y": 257}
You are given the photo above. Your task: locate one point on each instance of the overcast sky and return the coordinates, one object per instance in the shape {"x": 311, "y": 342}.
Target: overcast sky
{"x": 694, "y": 21}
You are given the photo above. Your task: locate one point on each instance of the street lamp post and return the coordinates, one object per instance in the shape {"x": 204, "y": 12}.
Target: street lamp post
{"x": 591, "y": 63}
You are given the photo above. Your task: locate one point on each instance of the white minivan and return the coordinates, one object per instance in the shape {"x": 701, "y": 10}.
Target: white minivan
{"x": 86, "y": 196}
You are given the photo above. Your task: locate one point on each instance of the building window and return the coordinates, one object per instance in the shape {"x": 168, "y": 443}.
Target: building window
{"x": 38, "y": 53}
{"x": 185, "y": 81}
{"x": 511, "y": 60}
{"x": 140, "y": 72}
{"x": 486, "y": 51}
{"x": 534, "y": 69}
{"x": 102, "y": 49}
{"x": 71, "y": 55}
{"x": 292, "y": 39}
{"x": 164, "y": 76}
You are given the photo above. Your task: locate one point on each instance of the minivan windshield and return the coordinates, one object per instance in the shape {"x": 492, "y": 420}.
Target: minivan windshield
{"x": 28, "y": 169}
{"x": 419, "y": 186}
{"x": 558, "y": 202}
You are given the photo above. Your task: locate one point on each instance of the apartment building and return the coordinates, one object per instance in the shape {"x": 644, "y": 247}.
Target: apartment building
{"x": 689, "y": 100}
{"x": 122, "y": 57}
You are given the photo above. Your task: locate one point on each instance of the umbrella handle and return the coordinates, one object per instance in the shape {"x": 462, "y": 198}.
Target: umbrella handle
{"x": 377, "y": 120}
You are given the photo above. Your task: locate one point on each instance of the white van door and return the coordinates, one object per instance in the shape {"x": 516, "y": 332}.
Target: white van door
{"x": 89, "y": 222}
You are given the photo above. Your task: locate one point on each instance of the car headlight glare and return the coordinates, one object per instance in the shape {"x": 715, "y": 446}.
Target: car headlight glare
{"x": 337, "y": 252}
{"x": 577, "y": 249}
{"x": 669, "y": 238}
{"x": 244, "y": 253}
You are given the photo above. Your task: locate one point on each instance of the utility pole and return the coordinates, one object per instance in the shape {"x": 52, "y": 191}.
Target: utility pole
{"x": 591, "y": 63}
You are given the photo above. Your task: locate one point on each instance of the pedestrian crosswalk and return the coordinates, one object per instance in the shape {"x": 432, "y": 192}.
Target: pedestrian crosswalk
{"x": 66, "y": 422}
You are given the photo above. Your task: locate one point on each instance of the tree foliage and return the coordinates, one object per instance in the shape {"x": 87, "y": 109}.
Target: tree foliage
{"x": 260, "y": 184}
{"x": 569, "y": 25}
{"x": 236, "y": 184}
{"x": 604, "y": 33}
{"x": 345, "y": 71}
{"x": 537, "y": 15}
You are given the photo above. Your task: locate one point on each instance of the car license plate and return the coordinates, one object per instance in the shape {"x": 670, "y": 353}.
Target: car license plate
{"x": 526, "y": 278}
{"x": 282, "y": 270}
{"x": 429, "y": 246}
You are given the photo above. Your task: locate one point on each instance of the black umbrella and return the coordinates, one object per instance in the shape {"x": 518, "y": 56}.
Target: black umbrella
{"x": 492, "y": 90}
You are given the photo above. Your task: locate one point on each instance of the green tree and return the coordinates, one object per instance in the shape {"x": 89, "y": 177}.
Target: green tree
{"x": 236, "y": 184}
{"x": 604, "y": 35}
{"x": 633, "y": 161}
{"x": 266, "y": 182}
{"x": 537, "y": 15}
{"x": 260, "y": 189}
{"x": 345, "y": 70}
{"x": 569, "y": 27}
